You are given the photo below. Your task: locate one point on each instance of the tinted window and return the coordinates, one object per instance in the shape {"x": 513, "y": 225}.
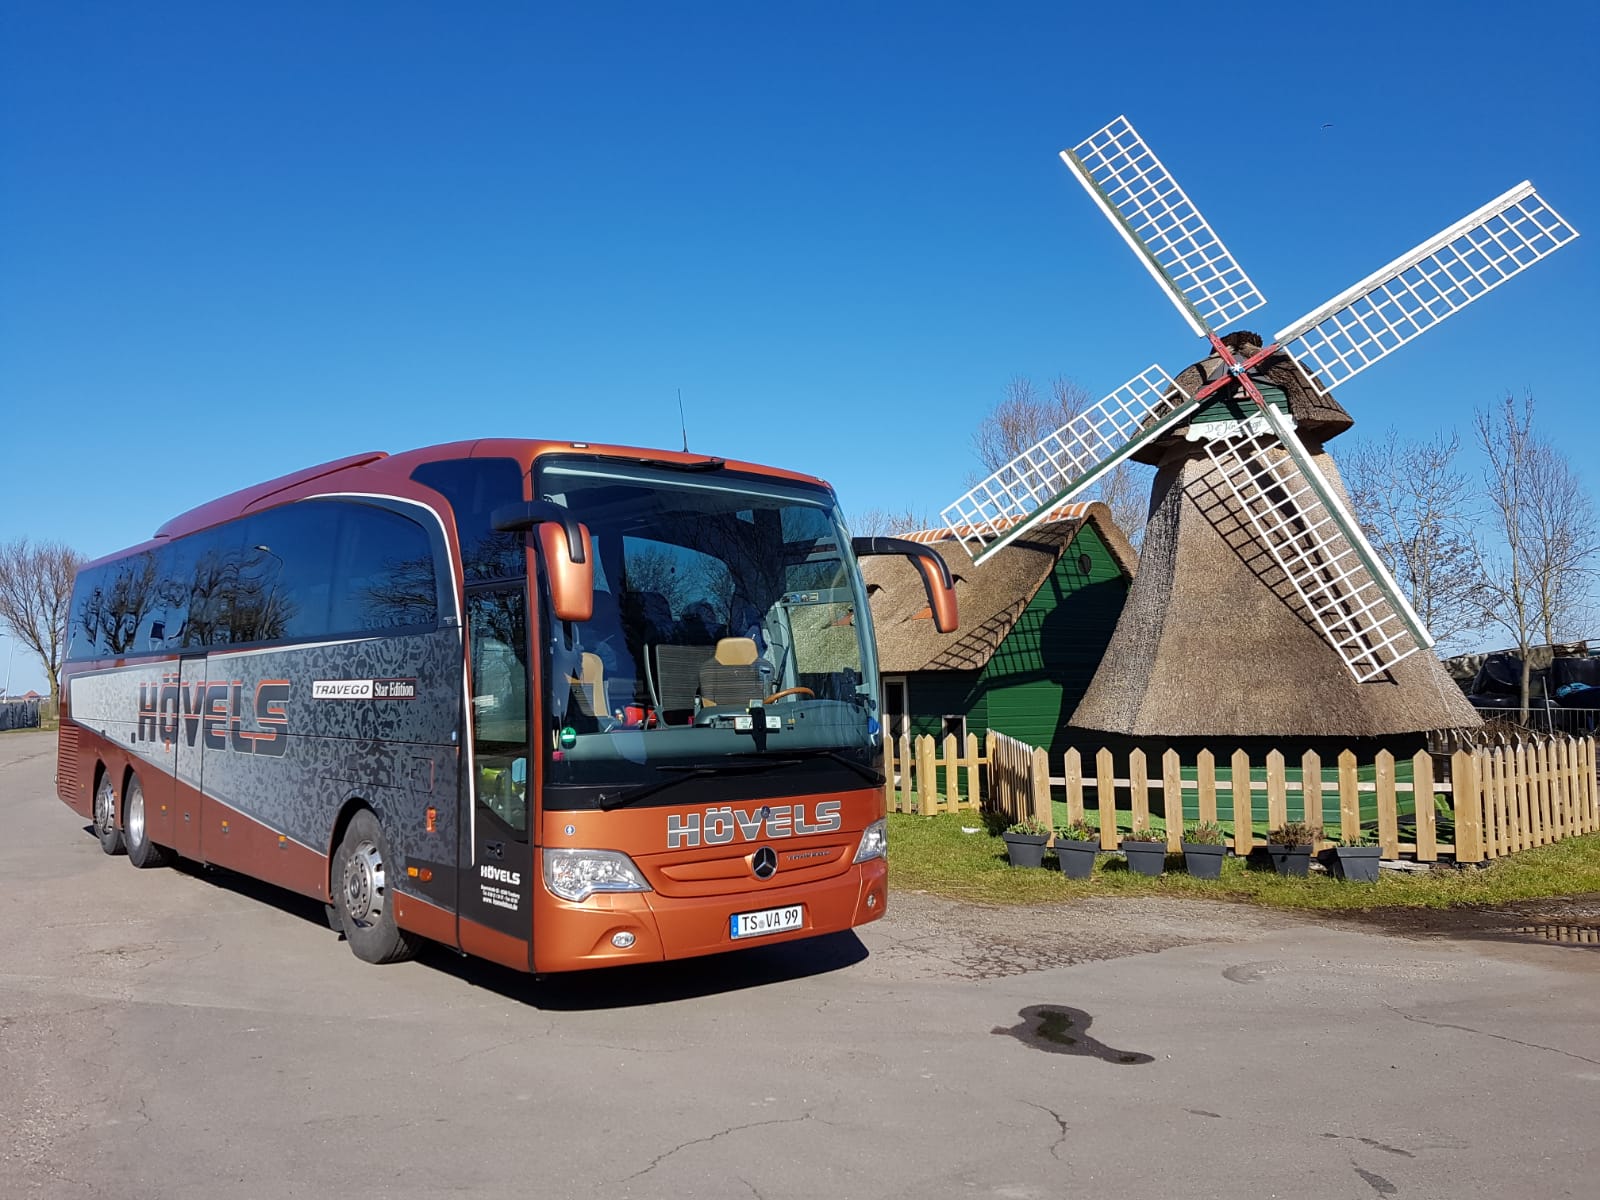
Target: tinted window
{"x": 88, "y": 592}
{"x": 285, "y": 579}
{"x": 476, "y": 487}
{"x": 210, "y": 560}
{"x": 383, "y": 574}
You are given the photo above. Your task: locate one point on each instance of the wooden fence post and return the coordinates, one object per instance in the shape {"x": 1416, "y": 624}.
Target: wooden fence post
{"x": 1172, "y": 800}
{"x": 1422, "y": 802}
{"x": 1205, "y": 777}
{"x": 1492, "y": 773}
{"x": 1073, "y": 771}
{"x": 1277, "y": 792}
{"x": 1517, "y": 760}
{"x": 1388, "y": 814}
{"x": 927, "y": 781}
{"x": 1349, "y": 797}
{"x": 1106, "y": 798}
{"x": 1466, "y": 796}
{"x": 974, "y": 798}
{"x": 1244, "y": 830}
{"x": 1039, "y": 789}
{"x": 1311, "y": 790}
{"x": 1138, "y": 790}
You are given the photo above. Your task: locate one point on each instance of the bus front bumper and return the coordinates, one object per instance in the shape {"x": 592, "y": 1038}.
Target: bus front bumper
{"x": 652, "y": 927}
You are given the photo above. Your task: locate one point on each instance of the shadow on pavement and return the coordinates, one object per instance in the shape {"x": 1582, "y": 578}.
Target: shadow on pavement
{"x": 607, "y": 987}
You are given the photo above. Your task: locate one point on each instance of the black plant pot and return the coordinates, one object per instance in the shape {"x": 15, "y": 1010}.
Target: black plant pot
{"x": 1354, "y": 864}
{"x": 1289, "y": 860}
{"x": 1147, "y": 858}
{"x": 1024, "y": 849}
{"x": 1076, "y": 858}
{"x": 1203, "y": 862}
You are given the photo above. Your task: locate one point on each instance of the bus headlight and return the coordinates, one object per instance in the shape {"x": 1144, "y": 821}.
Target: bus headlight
{"x": 578, "y": 874}
{"x": 874, "y": 841}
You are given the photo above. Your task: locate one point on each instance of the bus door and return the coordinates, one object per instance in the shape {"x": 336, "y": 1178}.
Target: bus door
{"x": 183, "y": 791}
{"x": 496, "y": 883}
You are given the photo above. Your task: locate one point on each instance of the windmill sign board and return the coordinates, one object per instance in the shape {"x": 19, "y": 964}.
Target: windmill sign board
{"x": 1293, "y": 513}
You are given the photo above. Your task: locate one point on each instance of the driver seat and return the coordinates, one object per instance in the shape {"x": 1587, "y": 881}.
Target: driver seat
{"x": 732, "y": 675}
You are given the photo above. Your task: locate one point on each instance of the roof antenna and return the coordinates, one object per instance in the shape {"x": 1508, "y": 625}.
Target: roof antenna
{"x": 682, "y": 424}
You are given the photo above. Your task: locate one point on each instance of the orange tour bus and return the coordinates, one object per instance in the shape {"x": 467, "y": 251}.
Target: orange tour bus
{"x": 557, "y": 705}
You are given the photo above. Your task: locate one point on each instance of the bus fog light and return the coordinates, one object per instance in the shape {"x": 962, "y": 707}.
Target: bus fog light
{"x": 874, "y": 841}
{"x": 576, "y": 875}
{"x": 622, "y": 940}
{"x": 872, "y": 899}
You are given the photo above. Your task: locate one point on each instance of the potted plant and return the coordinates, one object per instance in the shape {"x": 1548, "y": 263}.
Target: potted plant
{"x": 1289, "y": 846}
{"x": 1203, "y": 849}
{"x": 1025, "y": 842}
{"x": 1076, "y": 846}
{"x": 1354, "y": 859}
{"x": 1146, "y": 851}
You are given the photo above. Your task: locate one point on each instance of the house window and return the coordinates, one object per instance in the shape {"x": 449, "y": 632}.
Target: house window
{"x": 955, "y": 723}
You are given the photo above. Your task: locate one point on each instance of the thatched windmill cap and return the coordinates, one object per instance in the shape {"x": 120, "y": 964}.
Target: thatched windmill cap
{"x": 1316, "y": 416}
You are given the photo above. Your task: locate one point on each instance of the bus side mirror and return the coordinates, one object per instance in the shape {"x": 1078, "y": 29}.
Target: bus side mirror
{"x": 571, "y": 575}
{"x": 936, "y": 580}
{"x": 565, "y": 546}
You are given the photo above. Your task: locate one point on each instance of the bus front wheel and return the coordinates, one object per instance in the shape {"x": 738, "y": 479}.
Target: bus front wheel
{"x": 105, "y": 815}
{"x": 142, "y": 852}
{"x": 364, "y": 895}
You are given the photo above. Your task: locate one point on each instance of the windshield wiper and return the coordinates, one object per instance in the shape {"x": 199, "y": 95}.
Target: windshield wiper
{"x": 876, "y": 778}
{"x": 697, "y": 771}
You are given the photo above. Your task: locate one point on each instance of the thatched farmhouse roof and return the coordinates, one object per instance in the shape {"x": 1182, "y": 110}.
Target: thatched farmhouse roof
{"x": 990, "y": 598}
{"x": 1213, "y": 642}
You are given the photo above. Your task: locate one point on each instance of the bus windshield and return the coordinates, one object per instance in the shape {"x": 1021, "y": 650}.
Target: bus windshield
{"x": 730, "y": 651}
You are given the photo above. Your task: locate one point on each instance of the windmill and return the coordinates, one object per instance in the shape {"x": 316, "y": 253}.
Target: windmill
{"x": 1293, "y": 513}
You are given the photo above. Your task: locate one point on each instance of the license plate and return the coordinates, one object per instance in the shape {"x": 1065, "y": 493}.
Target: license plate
{"x": 768, "y": 920}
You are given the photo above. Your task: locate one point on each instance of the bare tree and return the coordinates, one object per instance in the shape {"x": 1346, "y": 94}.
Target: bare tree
{"x": 35, "y": 599}
{"x": 1534, "y": 580}
{"x": 1024, "y": 417}
{"x": 881, "y": 522}
{"x": 1415, "y": 506}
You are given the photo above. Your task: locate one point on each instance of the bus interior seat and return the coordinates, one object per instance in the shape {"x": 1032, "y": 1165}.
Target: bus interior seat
{"x": 677, "y": 676}
{"x": 731, "y": 675}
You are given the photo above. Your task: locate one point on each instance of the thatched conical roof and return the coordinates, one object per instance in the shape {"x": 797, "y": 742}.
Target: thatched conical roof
{"x": 1213, "y": 641}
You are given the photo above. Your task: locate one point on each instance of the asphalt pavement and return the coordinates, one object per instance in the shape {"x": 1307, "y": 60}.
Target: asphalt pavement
{"x": 188, "y": 1033}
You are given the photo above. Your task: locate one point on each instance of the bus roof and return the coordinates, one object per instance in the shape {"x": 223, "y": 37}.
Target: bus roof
{"x": 356, "y": 470}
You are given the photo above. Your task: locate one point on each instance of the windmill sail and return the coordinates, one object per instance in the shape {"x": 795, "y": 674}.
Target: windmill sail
{"x": 1352, "y": 599}
{"x": 1024, "y": 491}
{"x": 1419, "y": 289}
{"x": 1162, "y": 226}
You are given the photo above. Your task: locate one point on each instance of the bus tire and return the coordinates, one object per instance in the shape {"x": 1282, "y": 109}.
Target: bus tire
{"x": 364, "y": 895}
{"x": 105, "y": 815}
{"x": 142, "y": 852}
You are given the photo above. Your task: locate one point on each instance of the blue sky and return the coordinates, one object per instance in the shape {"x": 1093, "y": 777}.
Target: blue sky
{"x": 235, "y": 240}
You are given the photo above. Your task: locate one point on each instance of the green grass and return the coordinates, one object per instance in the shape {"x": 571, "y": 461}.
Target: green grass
{"x": 931, "y": 854}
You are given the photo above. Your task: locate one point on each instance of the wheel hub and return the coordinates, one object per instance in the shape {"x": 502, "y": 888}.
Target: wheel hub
{"x": 364, "y": 884}
{"x": 105, "y": 817}
{"x": 134, "y": 818}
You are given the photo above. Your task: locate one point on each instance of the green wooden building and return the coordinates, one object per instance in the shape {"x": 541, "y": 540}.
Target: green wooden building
{"x": 1035, "y": 620}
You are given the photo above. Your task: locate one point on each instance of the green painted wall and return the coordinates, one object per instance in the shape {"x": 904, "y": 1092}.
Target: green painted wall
{"x": 1032, "y": 684}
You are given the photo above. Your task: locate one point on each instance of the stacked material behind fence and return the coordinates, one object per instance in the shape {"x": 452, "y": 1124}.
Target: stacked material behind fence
{"x": 1471, "y": 805}
{"x": 20, "y": 714}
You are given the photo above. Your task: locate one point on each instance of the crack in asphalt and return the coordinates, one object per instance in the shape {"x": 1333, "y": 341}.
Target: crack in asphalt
{"x": 666, "y": 1154}
{"x": 1060, "y": 1124}
{"x": 1500, "y": 1037}
{"x": 1376, "y": 1182}
{"x": 1373, "y": 1142}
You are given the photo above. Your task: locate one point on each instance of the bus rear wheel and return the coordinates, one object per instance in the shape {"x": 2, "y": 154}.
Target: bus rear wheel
{"x": 364, "y": 896}
{"x": 105, "y": 815}
{"x": 142, "y": 852}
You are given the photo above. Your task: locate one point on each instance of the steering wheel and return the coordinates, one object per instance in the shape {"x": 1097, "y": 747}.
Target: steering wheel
{"x": 794, "y": 691}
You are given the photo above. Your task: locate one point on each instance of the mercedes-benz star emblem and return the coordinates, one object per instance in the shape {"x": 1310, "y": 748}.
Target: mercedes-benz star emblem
{"x": 765, "y": 863}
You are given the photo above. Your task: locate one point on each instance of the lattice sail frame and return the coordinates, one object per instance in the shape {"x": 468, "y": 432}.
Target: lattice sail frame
{"x": 1161, "y": 225}
{"x": 1352, "y": 599}
{"x": 1027, "y": 489}
{"x": 1416, "y": 291}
